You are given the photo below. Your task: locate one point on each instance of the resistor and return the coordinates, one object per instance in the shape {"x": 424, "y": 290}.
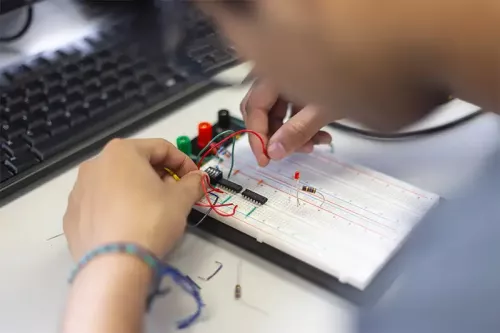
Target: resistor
{"x": 296, "y": 176}
{"x": 309, "y": 189}
{"x": 237, "y": 292}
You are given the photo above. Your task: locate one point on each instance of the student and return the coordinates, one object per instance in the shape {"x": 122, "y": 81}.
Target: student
{"x": 379, "y": 62}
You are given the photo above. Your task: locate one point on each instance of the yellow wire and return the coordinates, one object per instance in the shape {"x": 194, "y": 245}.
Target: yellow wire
{"x": 171, "y": 173}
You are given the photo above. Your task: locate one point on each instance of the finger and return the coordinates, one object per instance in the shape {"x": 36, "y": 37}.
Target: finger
{"x": 256, "y": 108}
{"x": 256, "y": 87}
{"x": 277, "y": 116}
{"x": 160, "y": 152}
{"x": 190, "y": 187}
{"x": 322, "y": 138}
{"x": 307, "y": 148}
{"x": 296, "y": 132}
{"x": 244, "y": 105}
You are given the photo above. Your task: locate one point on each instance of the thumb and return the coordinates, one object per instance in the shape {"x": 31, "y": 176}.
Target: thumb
{"x": 296, "y": 132}
{"x": 190, "y": 188}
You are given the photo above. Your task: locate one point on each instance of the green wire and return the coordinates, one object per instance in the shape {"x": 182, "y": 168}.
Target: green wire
{"x": 213, "y": 140}
{"x": 232, "y": 159}
{"x": 228, "y": 132}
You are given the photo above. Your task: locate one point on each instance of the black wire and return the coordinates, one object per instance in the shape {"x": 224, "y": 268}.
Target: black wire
{"x": 406, "y": 135}
{"x": 23, "y": 31}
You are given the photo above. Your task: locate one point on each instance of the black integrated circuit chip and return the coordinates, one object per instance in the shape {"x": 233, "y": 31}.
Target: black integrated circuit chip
{"x": 229, "y": 185}
{"x": 214, "y": 174}
{"x": 254, "y": 197}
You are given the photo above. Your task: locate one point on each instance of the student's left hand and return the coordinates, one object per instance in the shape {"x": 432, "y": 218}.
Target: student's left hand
{"x": 124, "y": 195}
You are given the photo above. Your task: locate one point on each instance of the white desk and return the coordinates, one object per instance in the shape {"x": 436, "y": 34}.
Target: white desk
{"x": 34, "y": 270}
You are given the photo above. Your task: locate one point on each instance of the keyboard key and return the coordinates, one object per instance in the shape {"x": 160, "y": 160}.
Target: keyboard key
{"x": 92, "y": 91}
{"x": 130, "y": 89}
{"x": 114, "y": 97}
{"x": 12, "y": 130}
{"x": 14, "y": 113}
{"x": 41, "y": 63}
{"x": 124, "y": 66}
{"x": 37, "y": 101}
{"x": 76, "y": 118}
{"x": 3, "y": 156}
{"x": 91, "y": 74}
{"x": 126, "y": 74}
{"x": 36, "y": 136}
{"x": 36, "y": 123}
{"x": 52, "y": 80}
{"x": 15, "y": 147}
{"x": 57, "y": 126}
{"x": 34, "y": 88}
{"x": 87, "y": 64}
{"x": 200, "y": 51}
{"x": 74, "y": 85}
{"x": 17, "y": 74}
{"x": 74, "y": 104}
{"x": 96, "y": 107}
{"x": 4, "y": 173}
{"x": 21, "y": 162}
{"x": 16, "y": 96}
{"x": 148, "y": 84}
{"x": 55, "y": 113}
{"x": 55, "y": 94}
{"x": 108, "y": 66}
{"x": 208, "y": 64}
{"x": 71, "y": 71}
{"x": 221, "y": 57}
{"x": 141, "y": 67}
{"x": 4, "y": 99}
{"x": 109, "y": 84}
{"x": 68, "y": 55}
{"x": 104, "y": 55}
{"x": 52, "y": 146}
{"x": 40, "y": 112}
{"x": 124, "y": 80}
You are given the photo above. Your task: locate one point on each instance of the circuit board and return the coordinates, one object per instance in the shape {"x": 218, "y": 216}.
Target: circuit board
{"x": 336, "y": 222}
{"x": 350, "y": 232}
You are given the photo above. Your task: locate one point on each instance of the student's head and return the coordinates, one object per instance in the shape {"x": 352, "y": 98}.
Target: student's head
{"x": 354, "y": 57}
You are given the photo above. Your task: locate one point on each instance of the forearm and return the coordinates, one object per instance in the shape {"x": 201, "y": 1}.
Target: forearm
{"x": 460, "y": 40}
{"x": 470, "y": 56}
{"x": 108, "y": 296}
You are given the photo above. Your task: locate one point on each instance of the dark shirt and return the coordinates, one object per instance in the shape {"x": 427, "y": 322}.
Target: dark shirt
{"x": 450, "y": 279}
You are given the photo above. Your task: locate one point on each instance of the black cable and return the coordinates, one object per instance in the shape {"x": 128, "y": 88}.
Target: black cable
{"x": 24, "y": 29}
{"x": 406, "y": 135}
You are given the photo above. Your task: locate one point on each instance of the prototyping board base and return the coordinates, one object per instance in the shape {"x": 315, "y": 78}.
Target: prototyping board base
{"x": 362, "y": 289}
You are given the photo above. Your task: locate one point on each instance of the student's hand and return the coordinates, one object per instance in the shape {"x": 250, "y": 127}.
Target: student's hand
{"x": 124, "y": 195}
{"x": 264, "y": 111}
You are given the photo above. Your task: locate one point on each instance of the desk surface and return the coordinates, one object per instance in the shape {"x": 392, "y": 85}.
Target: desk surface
{"x": 33, "y": 286}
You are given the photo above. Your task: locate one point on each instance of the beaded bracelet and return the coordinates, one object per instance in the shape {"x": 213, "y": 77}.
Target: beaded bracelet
{"x": 126, "y": 248}
{"x": 160, "y": 269}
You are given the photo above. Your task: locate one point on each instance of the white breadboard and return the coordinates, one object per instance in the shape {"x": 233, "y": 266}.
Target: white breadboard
{"x": 351, "y": 234}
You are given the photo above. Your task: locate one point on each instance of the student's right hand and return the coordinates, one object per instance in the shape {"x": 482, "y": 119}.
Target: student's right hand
{"x": 124, "y": 195}
{"x": 264, "y": 112}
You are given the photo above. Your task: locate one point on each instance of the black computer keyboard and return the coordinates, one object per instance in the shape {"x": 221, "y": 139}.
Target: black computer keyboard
{"x": 62, "y": 105}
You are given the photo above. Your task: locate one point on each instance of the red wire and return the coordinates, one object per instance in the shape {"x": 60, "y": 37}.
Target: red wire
{"x": 217, "y": 206}
{"x": 211, "y": 205}
{"x": 214, "y": 147}
{"x": 264, "y": 149}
